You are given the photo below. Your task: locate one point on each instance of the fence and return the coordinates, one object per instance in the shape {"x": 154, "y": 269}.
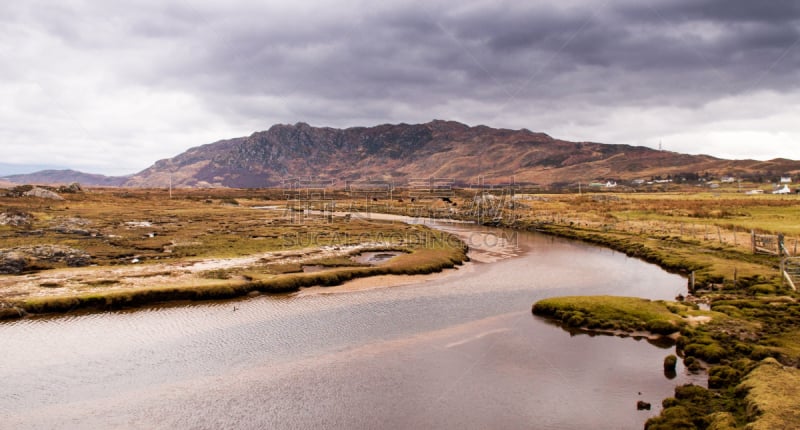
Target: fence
{"x": 772, "y": 244}
{"x": 728, "y": 235}
{"x": 790, "y": 271}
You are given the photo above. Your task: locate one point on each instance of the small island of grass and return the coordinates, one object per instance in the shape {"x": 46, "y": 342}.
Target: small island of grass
{"x": 616, "y": 314}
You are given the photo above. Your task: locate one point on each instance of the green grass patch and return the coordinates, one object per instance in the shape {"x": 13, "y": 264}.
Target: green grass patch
{"x": 613, "y": 313}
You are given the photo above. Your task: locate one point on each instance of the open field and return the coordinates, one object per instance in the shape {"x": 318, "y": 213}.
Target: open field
{"x": 110, "y": 248}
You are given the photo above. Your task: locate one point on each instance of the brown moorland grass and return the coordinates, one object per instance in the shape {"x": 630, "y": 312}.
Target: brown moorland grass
{"x": 167, "y": 237}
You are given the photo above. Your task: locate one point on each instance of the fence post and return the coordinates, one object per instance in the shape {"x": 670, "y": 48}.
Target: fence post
{"x": 753, "y": 240}
{"x": 719, "y": 235}
{"x": 783, "y": 272}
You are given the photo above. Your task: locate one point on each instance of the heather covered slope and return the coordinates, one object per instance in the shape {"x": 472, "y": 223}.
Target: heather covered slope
{"x": 399, "y": 152}
{"x": 439, "y": 148}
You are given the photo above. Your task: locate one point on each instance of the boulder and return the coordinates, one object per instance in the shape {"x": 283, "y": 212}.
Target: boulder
{"x": 642, "y": 406}
{"x": 12, "y": 263}
{"x": 42, "y": 194}
{"x": 19, "y": 259}
{"x": 71, "y": 188}
{"x": 16, "y": 218}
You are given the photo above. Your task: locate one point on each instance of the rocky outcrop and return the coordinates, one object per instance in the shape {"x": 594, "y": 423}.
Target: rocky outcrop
{"x": 25, "y": 258}
{"x": 71, "y": 188}
{"x": 16, "y": 218}
{"x": 12, "y": 262}
{"x": 43, "y": 194}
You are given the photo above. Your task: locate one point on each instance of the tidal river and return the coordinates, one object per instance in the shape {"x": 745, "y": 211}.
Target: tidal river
{"x": 456, "y": 351}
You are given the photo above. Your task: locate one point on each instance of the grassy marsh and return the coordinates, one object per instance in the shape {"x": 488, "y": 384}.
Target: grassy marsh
{"x": 754, "y": 317}
{"x": 198, "y": 245}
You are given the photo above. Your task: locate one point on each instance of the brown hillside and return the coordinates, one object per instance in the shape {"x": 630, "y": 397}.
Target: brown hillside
{"x": 439, "y": 149}
{"x": 398, "y": 152}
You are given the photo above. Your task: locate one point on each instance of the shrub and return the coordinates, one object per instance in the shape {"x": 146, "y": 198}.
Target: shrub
{"x": 762, "y": 289}
{"x": 723, "y": 376}
{"x": 662, "y": 327}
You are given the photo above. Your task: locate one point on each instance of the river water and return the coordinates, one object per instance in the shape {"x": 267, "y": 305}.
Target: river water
{"x": 459, "y": 351}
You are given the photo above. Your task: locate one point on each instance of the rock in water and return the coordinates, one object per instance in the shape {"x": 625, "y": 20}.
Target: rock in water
{"x": 642, "y": 405}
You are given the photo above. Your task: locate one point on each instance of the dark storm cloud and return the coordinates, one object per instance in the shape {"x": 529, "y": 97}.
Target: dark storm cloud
{"x": 103, "y": 70}
{"x": 428, "y": 54}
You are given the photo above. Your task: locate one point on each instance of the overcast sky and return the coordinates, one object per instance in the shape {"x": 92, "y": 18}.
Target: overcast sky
{"x": 112, "y": 86}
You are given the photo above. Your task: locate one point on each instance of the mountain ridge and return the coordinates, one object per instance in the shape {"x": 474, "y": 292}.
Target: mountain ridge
{"x": 399, "y": 152}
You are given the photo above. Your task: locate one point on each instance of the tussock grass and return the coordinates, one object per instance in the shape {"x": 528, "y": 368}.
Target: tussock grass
{"x": 773, "y": 396}
{"x": 753, "y": 316}
{"x": 625, "y": 314}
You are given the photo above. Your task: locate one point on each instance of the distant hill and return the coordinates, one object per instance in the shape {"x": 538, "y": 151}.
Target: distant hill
{"x": 399, "y": 152}
{"x": 444, "y": 149}
{"x": 65, "y": 177}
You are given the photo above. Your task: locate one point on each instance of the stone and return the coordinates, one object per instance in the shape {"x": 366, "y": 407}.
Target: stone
{"x": 19, "y": 259}
{"x": 71, "y": 188}
{"x": 43, "y": 194}
{"x": 16, "y": 218}
{"x": 12, "y": 263}
{"x": 642, "y": 406}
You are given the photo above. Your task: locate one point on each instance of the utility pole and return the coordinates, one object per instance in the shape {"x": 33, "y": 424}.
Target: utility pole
{"x": 170, "y": 186}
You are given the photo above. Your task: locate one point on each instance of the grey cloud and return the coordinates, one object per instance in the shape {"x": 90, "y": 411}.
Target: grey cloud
{"x": 338, "y": 63}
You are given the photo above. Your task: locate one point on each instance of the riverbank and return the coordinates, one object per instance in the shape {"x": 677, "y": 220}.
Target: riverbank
{"x": 755, "y": 319}
{"x": 416, "y": 262}
{"x": 138, "y": 249}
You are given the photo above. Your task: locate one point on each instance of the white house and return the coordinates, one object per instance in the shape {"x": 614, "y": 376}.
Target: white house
{"x": 784, "y": 190}
{"x": 786, "y": 179}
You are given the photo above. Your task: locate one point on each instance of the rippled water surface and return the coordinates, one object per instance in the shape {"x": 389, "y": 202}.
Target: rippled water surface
{"x": 461, "y": 351}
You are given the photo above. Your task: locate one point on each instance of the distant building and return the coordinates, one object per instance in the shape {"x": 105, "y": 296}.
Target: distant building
{"x": 753, "y": 192}
{"x": 784, "y": 190}
{"x": 638, "y": 182}
{"x": 727, "y": 180}
{"x": 786, "y": 179}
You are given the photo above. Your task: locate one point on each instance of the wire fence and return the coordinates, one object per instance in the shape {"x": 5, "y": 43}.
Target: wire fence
{"x": 735, "y": 236}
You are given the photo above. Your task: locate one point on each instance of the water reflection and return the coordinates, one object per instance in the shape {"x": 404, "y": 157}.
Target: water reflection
{"x": 460, "y": 351}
